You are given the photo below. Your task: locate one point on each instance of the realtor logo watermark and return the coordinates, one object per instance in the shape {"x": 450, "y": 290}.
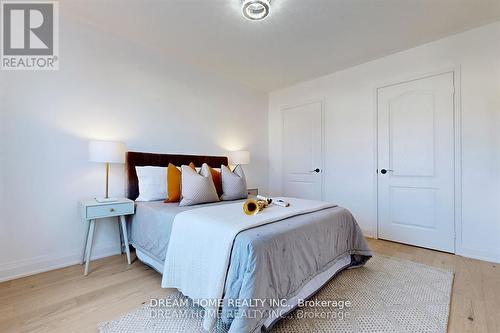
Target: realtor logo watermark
{"x": 30, "y": 35}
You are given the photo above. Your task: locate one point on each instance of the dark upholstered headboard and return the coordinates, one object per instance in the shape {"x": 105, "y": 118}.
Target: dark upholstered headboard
{"x": 148, "y": 159}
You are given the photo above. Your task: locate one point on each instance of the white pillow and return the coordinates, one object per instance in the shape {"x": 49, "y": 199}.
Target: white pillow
{"x": 197, "y": 188}
{"x": 152, "y": 183}
{"x": 234, "y": 184}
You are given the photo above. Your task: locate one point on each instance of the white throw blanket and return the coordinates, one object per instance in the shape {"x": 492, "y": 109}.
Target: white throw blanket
{"x": 200, "y": 246}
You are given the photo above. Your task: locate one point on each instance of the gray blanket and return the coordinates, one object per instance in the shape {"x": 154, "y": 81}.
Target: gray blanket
{"x": 274, "y": 261}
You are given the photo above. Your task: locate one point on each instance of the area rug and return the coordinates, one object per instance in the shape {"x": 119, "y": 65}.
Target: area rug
{"x": 386, "y": 295}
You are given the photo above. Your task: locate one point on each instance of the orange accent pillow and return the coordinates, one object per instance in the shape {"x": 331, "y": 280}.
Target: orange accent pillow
{"x": 174, "y": 182}
{"x": 216, "y": 177}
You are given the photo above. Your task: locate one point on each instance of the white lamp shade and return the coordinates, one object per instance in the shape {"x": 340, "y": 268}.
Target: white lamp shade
{"x": 107, "y": 152}
{"x": 239, "y": 157}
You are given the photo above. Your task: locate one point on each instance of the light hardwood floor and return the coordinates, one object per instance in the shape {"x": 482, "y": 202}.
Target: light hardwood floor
{"x": 65, "y": 301}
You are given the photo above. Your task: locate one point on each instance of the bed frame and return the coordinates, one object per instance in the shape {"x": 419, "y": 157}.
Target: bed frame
{"x": 149, "y": 159}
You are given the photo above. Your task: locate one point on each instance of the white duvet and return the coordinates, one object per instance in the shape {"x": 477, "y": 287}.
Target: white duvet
{"x": 199, "y": 249}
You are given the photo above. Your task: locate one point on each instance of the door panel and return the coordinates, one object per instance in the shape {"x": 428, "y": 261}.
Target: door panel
{"x": 302, "y": 151}
{"x": 416, "y": 147}
{"x": 413, "y": 207}
{"x": 411, "y": 116}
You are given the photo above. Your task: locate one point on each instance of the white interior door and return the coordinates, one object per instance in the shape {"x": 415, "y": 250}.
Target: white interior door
{"x": 416, "y": 162}
{"x": 302, "y": 151}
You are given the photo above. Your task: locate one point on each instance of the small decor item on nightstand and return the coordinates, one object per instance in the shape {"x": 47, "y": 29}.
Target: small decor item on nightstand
{"x": 106, "y": 152}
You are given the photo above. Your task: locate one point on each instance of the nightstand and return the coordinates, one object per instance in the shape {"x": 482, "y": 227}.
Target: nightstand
{"x": 253, "y": 192}
{"x": 93, "y": 210}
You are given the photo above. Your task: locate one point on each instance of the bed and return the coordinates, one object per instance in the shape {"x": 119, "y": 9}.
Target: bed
{"x": 289, "y": 259}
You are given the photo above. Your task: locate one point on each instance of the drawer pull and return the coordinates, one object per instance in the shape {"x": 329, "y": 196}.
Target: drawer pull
{"x": 112, "y": 210}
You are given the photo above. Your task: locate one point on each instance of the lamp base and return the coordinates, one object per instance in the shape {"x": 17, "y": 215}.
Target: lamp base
{"x": 102, "y": 199}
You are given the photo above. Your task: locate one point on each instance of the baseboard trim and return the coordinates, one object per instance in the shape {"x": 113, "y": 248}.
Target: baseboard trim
{"x": 478, "y": 254}
{"x": 368, "y": 235}
{"x": 463, "y": 252}
{"x": 21, "y": 268}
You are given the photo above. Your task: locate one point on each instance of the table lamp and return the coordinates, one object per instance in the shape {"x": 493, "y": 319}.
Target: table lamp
{"x": 106, "y": 152}
{"x": 240, "y": 157}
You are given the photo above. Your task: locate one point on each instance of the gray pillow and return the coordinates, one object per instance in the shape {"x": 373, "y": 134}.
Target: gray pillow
{"x": 234, "y": 184}
{"x": 196, "y": 188}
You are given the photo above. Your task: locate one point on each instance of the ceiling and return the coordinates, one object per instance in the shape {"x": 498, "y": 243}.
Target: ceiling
{"x": 300, "y": 40}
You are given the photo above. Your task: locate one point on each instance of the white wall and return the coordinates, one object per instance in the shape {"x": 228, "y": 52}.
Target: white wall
{"x": 106, "y": 88}
{"x": 350, "y": 130}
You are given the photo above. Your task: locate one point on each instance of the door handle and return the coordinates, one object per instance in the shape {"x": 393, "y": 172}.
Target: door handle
{"x": 384, "y": 171}
{"x": 316, "y": 170}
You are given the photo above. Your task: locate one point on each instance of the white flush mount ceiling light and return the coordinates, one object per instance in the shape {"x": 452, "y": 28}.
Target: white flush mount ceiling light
{"x": 255, "y": 10}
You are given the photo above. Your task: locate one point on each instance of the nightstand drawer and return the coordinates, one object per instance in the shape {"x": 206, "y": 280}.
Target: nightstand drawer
{"x": 110, "y": 210}
{"x": 253, "y": 192}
